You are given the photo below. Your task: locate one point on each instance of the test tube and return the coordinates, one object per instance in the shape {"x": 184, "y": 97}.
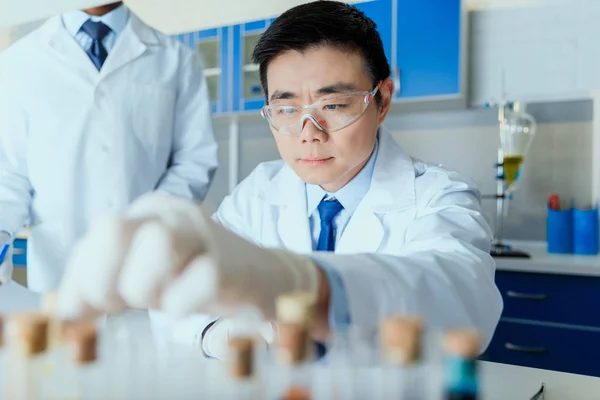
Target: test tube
{"x": 81, "y": 339}
{"x": 27, "y": 339}
{"x": 400, "y": 343}
{"x": 56, "y": 359}
{"x": 294, "y": 350}
{"x": 461, "y": 348}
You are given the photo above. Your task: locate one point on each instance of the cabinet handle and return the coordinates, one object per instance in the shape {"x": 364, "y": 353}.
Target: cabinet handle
{"x": 18, "y": 252}
{"x": 526, "y": 296}
{"x": 397, "y": 81}
{"x": 522, "y": 349}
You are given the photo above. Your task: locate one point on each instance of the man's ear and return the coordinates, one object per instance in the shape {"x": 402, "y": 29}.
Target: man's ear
{"x": 386, "y": 91}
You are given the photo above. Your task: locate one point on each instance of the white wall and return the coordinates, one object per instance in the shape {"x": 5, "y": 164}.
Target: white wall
{"x": 560, "y": 159}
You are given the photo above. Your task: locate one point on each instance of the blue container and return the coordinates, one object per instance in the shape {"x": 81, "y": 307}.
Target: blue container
{"x": 559, "y": 231}
{"x": 585, "y": 231}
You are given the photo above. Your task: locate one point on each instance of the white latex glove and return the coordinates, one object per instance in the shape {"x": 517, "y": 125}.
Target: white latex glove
{"x": 215, "y": 342}
{"x": 166, "y": 253}
{"x": 6, "y": 267}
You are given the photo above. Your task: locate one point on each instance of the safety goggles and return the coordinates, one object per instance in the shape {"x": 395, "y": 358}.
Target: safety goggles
{"x": 330, "y": 114}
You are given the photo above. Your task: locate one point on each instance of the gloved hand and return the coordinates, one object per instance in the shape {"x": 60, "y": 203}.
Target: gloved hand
{"x": 165, "y": 253}
{"x": 6, "y": 266}
{"x": 216, "y": 339}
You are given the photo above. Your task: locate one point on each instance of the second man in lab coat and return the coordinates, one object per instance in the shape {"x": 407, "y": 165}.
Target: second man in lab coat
{"x": 346, "y": 215}
{"x": 96, "y": 109}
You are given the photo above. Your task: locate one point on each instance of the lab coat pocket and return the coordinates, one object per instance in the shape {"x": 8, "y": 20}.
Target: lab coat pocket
{"x": 153, "y": 117}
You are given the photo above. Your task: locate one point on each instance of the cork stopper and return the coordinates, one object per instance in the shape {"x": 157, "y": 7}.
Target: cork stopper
{"x": 241, "y": 352}
{"x": 27, "y": 333}
{"x": 401, "y": 339}
{"x": 296, "y": 308}
{"x": 463, "y": 343}
{"x": 294, "y": 344}
{"x": 50, "y": 303}
{"x": 83, "y": 338}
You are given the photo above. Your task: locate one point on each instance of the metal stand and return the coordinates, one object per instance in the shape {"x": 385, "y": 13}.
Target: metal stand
{"x": 500, "y": 249}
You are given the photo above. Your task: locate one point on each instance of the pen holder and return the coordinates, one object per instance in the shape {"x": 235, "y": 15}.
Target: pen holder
{"x": 585, "y": 231}
{"x": 559, "y": 231}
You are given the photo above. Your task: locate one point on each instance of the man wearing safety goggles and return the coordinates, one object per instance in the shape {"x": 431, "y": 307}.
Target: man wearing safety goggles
{"x": 346, "y": 215}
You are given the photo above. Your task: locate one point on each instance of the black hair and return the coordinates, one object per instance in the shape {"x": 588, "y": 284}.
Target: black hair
{"x": 321, "y": 23}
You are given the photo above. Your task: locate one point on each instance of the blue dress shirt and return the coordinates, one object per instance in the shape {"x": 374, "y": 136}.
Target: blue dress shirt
{"x": 116, "y": 20}
{"x": 350, "y": 197}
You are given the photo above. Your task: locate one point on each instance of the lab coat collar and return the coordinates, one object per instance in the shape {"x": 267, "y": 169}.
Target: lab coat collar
{"x": 116, "y": 20}
{"x": 392, "y": 184}
{"x": 131, "y": 44}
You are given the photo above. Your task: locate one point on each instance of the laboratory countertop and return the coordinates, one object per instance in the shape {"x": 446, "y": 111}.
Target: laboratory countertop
{"x": 540, "y": 262}
{"x": 543, "y": 262}
{"x": 504, "y": 382}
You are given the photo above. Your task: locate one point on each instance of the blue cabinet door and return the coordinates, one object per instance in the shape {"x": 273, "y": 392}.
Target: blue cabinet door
{"x": 247, "y": 92}
{"x": 563, "y": 299}
{"x": 380, "y": 11}
{"x": 212, "y": 46}
{"x": 428, "y": 47}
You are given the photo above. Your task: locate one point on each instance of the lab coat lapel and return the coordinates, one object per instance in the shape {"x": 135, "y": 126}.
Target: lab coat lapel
{"x": 363, "y": 234}
{"x": 287, "y": 192}
{"x": 66, "y": 48}
{"x": 130, "y": 45}
{"x": 392, "y": 190}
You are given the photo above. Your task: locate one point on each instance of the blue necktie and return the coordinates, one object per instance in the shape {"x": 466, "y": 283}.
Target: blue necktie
{"x": 327, "y": 212}
{"x": 97, "y": 31}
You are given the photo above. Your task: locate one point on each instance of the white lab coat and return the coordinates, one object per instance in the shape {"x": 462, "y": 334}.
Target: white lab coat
{"x": 76, "y": 144}
{"x": 416, "y": 244}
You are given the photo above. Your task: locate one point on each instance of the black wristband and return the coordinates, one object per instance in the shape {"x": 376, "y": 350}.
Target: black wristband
{"x": 202, "y": 338}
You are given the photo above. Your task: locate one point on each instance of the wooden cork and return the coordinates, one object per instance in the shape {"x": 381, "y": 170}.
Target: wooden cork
{"x": 463, "y": 343}
{"x": 49, "y": 307}
{"x": 241, "y": 351}
{"x": 83, "y": 338}
{"x": 27, "y": 333}
{"x": 49, "y": 303}
{"x": 401, "y": 339}
{"x": 296, "y": 308}
{"x": 294, "y": 344}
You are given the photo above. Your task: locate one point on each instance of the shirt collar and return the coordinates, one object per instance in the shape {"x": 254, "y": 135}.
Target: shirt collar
{"x": 116, "y": 20}
{"x": 351, "y": 194}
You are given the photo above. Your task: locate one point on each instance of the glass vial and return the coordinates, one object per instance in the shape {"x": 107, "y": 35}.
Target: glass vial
{"x": 461, "y": 348}
{"x": 27, "y": 340}
{"x": 401, "y": 350}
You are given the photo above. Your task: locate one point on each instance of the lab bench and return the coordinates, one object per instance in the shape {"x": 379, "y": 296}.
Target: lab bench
{"x": 551, "y": 316}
